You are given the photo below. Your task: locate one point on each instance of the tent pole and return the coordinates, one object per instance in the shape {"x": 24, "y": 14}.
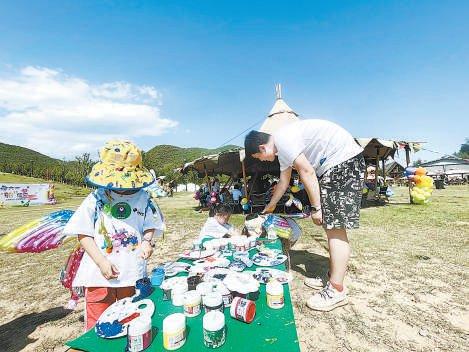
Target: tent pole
{"x": 407, "y": 160}
{"x": 376, "y": 173}
{"x": 244, "y": 180}
{"x": 384, "y": 172}
{"x": 208, "y": 180}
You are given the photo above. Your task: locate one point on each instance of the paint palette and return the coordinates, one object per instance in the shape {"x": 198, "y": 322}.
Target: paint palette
{"x": 216, "y": 274}
{"x": 116, "y": 318}
{"x": 174, "y": 268}
{"x": 263, "y": 275}
{"x": 168, "y": 284}
{"x": 198, "y": 254}
{"x": 241, "y": 282}
{"x": 212, "y": 262}
{"x": 261, "y": 259}
{"x": 237, "y": 265}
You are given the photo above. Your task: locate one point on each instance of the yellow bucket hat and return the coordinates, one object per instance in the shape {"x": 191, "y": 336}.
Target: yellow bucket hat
{"x": 120, "y": 168}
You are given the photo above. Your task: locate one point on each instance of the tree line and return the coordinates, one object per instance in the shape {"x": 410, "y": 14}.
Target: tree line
{"x": 74, "y": 172}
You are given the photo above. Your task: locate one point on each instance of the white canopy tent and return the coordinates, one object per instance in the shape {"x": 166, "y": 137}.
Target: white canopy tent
{"x": 280, "y": 114}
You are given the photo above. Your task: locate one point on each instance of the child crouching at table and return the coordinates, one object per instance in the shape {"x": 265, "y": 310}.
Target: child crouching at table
{"x": 217, "y": 224}
{"x": 115, "y": 227}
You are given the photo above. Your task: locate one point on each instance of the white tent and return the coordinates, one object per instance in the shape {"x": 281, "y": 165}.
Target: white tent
{"x": 280, "y": 114}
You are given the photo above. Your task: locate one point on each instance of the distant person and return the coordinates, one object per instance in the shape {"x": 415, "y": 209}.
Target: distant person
{"x": 115, "y": 227}
{"x": 225, "y": 196}
{"x": 319, "y": 149}
{"x": 216, "y": 185}
{"x": 236, "y": 194}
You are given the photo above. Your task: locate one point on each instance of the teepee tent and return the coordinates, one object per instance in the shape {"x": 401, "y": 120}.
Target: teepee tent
{"x": 280, "y": 114}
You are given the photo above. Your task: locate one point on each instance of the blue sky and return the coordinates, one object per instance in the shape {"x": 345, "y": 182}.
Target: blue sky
{"x": 200, "y": 72}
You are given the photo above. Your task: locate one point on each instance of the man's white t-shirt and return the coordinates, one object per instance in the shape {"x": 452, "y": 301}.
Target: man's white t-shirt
{"x": 324, "y": 143}
{"x": 236, "y": 194}
{"x": 118, "y": 233}
{"x": 213, "y": 229}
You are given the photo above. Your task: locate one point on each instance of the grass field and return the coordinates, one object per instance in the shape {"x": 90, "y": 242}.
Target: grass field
{"x": 407, "y": 281}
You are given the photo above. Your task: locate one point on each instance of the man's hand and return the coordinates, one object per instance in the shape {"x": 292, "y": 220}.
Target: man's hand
{"x": 317, "y": 217}
{"x": 270, "y": 208}
{"x": 147, "y": 251}
{"x": 108, "y": 269}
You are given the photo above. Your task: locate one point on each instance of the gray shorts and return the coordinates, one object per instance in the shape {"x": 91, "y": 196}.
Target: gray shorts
{"x": 341, "y": 194}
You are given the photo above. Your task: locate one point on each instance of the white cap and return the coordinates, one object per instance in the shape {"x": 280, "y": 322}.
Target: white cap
{"x": 214, "y": 320}
{"x": 174, "y": 322}
{"x": 191, "y": 297}
{"x": 213, "y": 299}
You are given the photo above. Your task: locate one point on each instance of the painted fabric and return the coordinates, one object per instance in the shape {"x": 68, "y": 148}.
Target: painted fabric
{"x": 118, "y": 233}
{"x": 341, "y": 194}
{"x": 324, "y": 144}
{"x": 120, "y": 167}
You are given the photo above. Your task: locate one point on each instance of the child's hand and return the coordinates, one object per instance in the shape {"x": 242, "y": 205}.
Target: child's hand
{"x": 147, "y": 251}
{"x": 108, "y": 269}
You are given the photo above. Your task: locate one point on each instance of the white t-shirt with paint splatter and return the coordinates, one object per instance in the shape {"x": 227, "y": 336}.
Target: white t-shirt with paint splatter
{"x": 118, "y": 234}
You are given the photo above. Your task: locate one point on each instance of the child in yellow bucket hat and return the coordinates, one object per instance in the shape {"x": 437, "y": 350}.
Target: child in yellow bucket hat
{"x": 120, "y": 168}
{"x": 115, "y": 226}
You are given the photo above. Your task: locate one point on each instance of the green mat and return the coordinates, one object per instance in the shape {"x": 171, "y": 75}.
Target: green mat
{"x": 271, "y": 330}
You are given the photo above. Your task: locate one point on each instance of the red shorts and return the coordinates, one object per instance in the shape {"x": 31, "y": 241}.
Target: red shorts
{"x": 97, "y": 299}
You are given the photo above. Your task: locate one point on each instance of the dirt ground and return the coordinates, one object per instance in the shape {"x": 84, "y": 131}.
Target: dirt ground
{"x": 407, "y": 280}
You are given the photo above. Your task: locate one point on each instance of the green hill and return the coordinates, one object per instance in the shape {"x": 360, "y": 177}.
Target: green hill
{"x": 167, "y": 157}
{"x": 14, "y": 153}
{"x": 24, "y": 161}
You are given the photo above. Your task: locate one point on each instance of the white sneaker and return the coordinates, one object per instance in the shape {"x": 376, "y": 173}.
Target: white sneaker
{"x": 327, "y": 299}
{"x": 314, "y": 282}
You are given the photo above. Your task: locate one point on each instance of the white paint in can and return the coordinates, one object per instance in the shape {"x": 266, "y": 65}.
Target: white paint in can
{"x": 139, "y": 334}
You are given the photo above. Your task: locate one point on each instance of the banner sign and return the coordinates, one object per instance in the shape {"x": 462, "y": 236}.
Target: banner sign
{"x": 26, "y": 194}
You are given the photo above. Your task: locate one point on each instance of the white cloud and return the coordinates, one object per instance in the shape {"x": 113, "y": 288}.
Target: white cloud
{"x": 61, "y": 115}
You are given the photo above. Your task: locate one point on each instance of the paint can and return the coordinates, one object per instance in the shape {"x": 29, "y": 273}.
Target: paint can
{"x": 243, "y": 309}
{"x": 139, "y": 334}
{"x": 223, "y": 244}
{"x": 213, "y": 301}
{"x": 157, "y": 276}
{"x": 192, "y": 304}
{"x": 174, "y": 331}
{"x": 177, "y": 294}
{"x": 204, "y": 288}
{"x": 143, "y": 289}
{"x": 226, "y": 295}
{"x": 197, "y": 245}
{"x": 214, "y": 329}
{"x": 247, "y": 243}
{"x": 275, "y": 298}
{"x": 192, "y": 282}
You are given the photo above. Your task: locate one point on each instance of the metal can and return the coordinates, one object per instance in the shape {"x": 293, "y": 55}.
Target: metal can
{"x": 243, "y": 309}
